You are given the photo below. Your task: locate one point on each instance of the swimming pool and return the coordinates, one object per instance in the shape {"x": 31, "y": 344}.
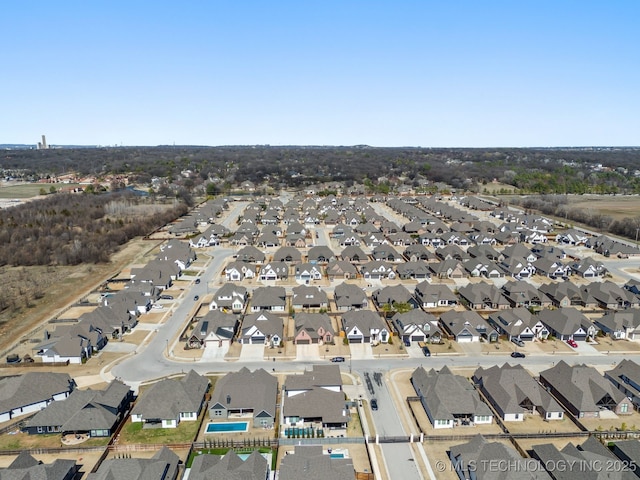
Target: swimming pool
{"x": 225, "y": 427}
{"x": 336, "y": 455}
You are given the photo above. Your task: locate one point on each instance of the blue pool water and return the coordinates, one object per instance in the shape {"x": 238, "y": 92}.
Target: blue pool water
{"x": 221, "y": 427}
{"x": 337, "y": 455}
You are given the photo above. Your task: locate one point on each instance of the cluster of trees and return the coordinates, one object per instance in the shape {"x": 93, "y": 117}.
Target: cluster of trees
{"x": 569, "y": 170}
{"x": 69, "y": 229}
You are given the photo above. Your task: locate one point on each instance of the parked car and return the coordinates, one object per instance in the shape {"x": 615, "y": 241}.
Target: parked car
{"x": 517, "y": 355}
{"x": 166, "y": 297}
{"x": 374, "y": 404}
{"x": 337, "y": 359}
{"x": 407, "y": 342}
{"x": 196, "y": 298}
{"x": 518, "y": 342}
{"x": 572, "y": 343}
{"x": 426, "y": 352}
{"x": 197, "y": 281}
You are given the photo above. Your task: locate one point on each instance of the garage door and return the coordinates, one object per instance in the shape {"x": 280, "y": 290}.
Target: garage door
{"x": 257, "y": 340}
{"x": 355, "y": 339}
{"x": 417, "y": 338}
{"x": 580, "y": 338}
{"x": 464, "y": 338}
{"x": 526, "y": 338}
{"x": 303, "y": 342}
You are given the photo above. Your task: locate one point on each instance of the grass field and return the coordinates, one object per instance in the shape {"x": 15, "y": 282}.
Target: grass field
{"x": 618, "y": 206}
{"x": 29, "y": 190}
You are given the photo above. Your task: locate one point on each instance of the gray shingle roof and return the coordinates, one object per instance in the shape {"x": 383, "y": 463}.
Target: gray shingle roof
{"x": 163, "y": 465}
{"x": 257, "y": 390}
{"x": 309, "y": 463}
{"x": 32, "y": 387}
{"x": 230, "y": 467}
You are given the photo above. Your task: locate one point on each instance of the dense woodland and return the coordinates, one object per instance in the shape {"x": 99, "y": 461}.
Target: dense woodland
{"x": 544, "y": 171}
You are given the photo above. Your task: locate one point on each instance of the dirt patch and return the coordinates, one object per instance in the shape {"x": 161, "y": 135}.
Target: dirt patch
{"x": 67, "y": 286}
{"x": 606, "y": 344}
{"x": 622, "y": 422}
{"x": 617, "y": 207}
{"x": 76, "y": 312}
{"x": 536, "y": 424}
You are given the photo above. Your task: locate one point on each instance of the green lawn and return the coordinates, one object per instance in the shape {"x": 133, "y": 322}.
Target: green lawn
{"x": 133, "y": 433}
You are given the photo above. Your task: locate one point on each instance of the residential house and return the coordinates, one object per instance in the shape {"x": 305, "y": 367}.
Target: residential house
{"x": 568, "y": 294}
{"x": 364, "y": 326}
{"x": 572, "y": 237}
{"x": 479, "y": 459}
{"x": 215, "y": 329}
{"x": 349, "y": 296}
{"x": 551, "y": 268}
{"x": 273, "y": 272}
{"x": 482, "y": 267}
{"x": 449, "y": 400}
{"x": 354, "y": 254}
{"x": 583, "y": 391}
{"x": 518, "y": 324}
{"x": 305, "y": 297}
{"x": 245, "y": 394}
{"x": 271, "y": 299}
{"x": 315, "y": 400}
{"x": 467, "y": 326}
{"x": 262, "y": 328}
{"x": 418, "y": 252}
{"x": 327, "y": 377}
{"x": 309, "y": 462}
{"x": 178, "y": 252}
{"x": 417, "y": 326}
{"x": 418, "y": 270}
{"x": 620, "y": 325}
{"x": 342, "y": 270}
{"x": 518, "y": 267}
{"x": 287, "y": 255}
{"x": 96, "y": 413}
{"x": 628, "y": 453}
{"x": 231, "y": 466}
{"x": 568, "y": 324}
{"x": 313, "y": 328}
{"x": 321, "y": 254}
{"x": 587, "y": 267}
{"x": 514, "y": 393}
{"x": 611, "y": 296}
{"x": 251, "y": 254}
{"x": 432, "y": 296}
{"x": 385, "y": 298}
{"x": 449, "y": 268}
{"x": 626, "y": 377}
{"x": 306, "y": 272}
{"x": 31, "y": 392}
{"x": 238, "y": 271}
{"x": 171, "y": 401}
{"x": 523, "y": 294}
{"x": 451, "y": 252}
{"x": 268, "y": 239}
{"x": 590, "y": 456}
{"x": 386, "y": 253}
{"x": 71, "y": 343}
{"x": 483, "y": 296}
{"x": 230, "y": 297}
{"x": 24, "y": 466}
{"x": 377, "y": 270}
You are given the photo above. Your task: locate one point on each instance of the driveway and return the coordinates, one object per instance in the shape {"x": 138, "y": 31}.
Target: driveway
{"x": 307, "y": 352}
{"x": 414, "y": 351}
{"x": 215, "y": 353}
{"x": 361, "y": 351}
{"x": 252, "y": 353}
{"x": 119, "y": 347}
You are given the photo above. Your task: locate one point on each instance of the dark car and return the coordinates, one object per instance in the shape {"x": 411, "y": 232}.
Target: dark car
{"x": 196, "y": 298}
{"x": 374, "y": 404}
{"x": 517, "y": 354}
{"x": 337, "y": 359}
{"x": 197, "y": 281}
{"x": 407, "y": 342}
{"x": 426, "y": 352}
{"x": 166, "y": 297}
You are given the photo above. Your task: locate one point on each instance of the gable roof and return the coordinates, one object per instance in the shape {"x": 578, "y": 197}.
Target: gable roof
{"x": 31, "y": 388}
{"x": 244, "y": 389}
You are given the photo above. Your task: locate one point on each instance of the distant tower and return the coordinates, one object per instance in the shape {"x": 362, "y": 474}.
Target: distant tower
{"x": 44, "y": 142}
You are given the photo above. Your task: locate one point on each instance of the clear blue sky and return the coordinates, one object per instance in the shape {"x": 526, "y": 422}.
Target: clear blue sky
{"x": 324, "y": 72}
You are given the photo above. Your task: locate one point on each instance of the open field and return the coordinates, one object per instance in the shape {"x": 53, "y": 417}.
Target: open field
{"x": 618, "y": 206}
{"x": 29, "y": 190}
